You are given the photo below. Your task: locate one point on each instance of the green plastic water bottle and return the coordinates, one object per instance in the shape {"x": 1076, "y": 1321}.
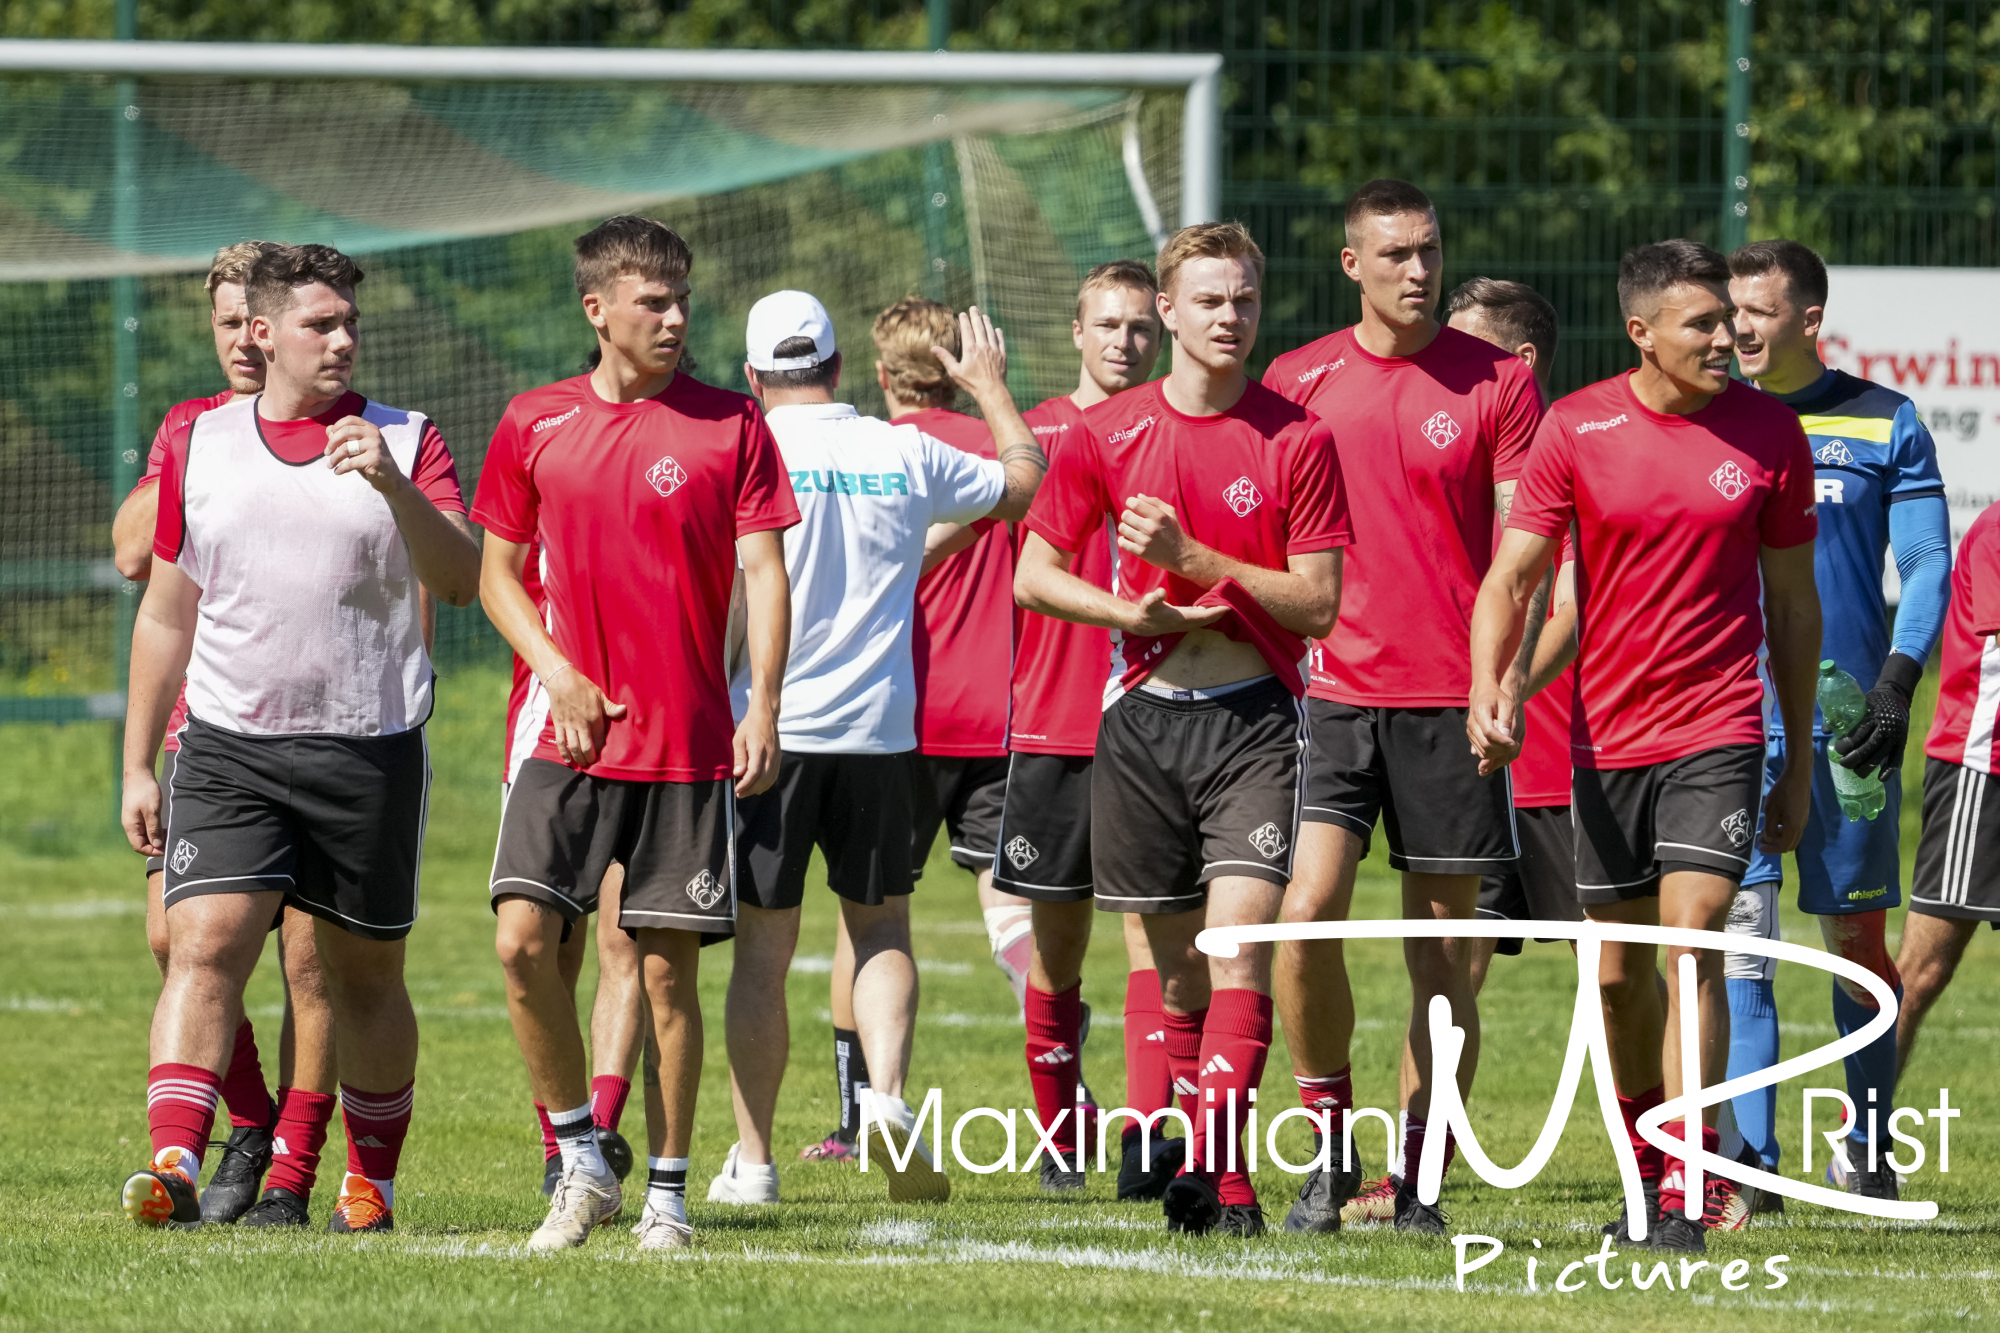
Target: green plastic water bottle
{"x": 1842, "y": 704}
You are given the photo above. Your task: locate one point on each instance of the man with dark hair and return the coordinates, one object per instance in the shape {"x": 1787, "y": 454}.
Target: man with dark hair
{"x": 1690, "y": 494}
{"x": 286, "y": 590}
{"x": 1879, "y": 492}
{"x": 1511, "y": 315}
{"x": 645, "y": 488}
{"x": 1433, "y": 425}
{"x": 1231, "y": 517}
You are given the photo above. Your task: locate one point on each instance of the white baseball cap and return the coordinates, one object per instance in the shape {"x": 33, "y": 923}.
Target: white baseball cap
{"x": 788, "y": 314}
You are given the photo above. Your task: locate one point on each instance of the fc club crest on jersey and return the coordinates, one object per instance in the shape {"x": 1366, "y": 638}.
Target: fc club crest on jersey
{"x": 1441, "y": 430}
{"x": 1268, "y": 842}
{"x": 183, "y": 857}
{"x": 666, "y": 476}
{"x": 1242, "y": 496}
{"x": 705, "y": 889}
{"x": 1021, "y": 852}
{"x": 1730, "y": 479}
{"x": 1736, "y": 828}
{"x": 1834, "y": 453}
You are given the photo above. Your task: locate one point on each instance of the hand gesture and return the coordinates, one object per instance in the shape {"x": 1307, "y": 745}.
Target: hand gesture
{"x": 1150, "y": 529}
{"x": 1151, "y": 615}
{"x": 981, "y": 365}
{"x": 580, "y": 712}
{"x": 1493, "y": 725}
{"x": 355, "y": 445}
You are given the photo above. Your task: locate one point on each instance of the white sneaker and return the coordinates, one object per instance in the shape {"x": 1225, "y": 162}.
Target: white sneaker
{"x": 579, "y": 1206}
{"x": 891, "y": 1126}
{"x": 740, "y": 1182}
{"x": 657, "y": 1231}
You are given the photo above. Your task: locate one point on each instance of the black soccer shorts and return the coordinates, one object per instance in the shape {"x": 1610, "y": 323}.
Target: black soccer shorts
{"x": 157, "y": 864}
{"x": 1698, "y": 812}
{"x": 964, "y": 793}
{"x": 854, "y": 807}
{"x": 1541, "y": 885}
{"x": 334, "y": 822}
{"x": 1958, "y": 854}
{"x": 1045, "y": 828}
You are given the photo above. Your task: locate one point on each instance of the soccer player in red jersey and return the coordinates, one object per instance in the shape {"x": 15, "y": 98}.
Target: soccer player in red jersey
{"x": 1230, "y": 517}
{"x": 285, "y": 588}
{"x": 1044, "y": 837}
{"x": 1689, "y": 493}
{"x": 1434, "y": 424}
{"x": 292, "y": 1126}
{"x": 645, "y": 488}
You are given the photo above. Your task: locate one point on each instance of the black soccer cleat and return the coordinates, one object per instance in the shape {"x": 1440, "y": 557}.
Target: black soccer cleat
{"x": 233, "y": 1188}
{"x": 1149, "y": 1180}
{"x": 1676, "y": 1233}
{"x": 1619, "y": 1228}
{"x": 1240, "y": 1219}
{"x": 1880, "y": 1183}
{"x": 1325, "y": 1192}
{"x": 1057, "y": 1178}
{"x": 1414, "y": 1215}
{"x": 551, "y": 1174}
{"x": 278, "y": 1208}
{"x": 617, "y": 1152}
{"x": 1191, "y": 1204}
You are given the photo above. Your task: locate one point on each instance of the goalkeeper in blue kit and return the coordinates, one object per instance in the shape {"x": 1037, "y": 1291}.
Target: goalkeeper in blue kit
{"x": 1879, "y": 490}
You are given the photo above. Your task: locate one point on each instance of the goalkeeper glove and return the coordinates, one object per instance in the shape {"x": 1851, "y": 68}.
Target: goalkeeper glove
{"x": 1877, "y": 741}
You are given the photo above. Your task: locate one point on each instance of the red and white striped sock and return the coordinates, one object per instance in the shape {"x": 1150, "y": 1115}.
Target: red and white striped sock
{"x": 180, "y": 1112}
{"x": 377, "y": 1123}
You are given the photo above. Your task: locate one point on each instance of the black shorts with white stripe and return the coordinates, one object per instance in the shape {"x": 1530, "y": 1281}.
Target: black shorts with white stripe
{"x": 963, "y": 793}
{"x": 335, "y": 823}
{"x": 1698, "y": 812}
{"x": 1194, "y": 786}
{"x": 1413, "y": 768}
{"x": 1958, "y": 855}
{"x": 1541, "y": 885}
{"x": 1045, "y": 828}
{"x": 561, "y": 831}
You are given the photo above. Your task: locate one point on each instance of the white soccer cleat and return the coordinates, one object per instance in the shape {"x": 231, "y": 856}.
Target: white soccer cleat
{"x": 656, "y": 1231}
{"x": 741, "y": 1182}
{"x": 892, "y": 1126}
{"x": 580, "y": 1205}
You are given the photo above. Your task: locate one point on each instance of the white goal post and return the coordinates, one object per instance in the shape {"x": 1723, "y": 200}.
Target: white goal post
{"x": 1198, "y": 76}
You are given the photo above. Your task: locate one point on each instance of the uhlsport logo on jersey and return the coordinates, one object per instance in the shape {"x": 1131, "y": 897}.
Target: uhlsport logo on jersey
{"x": 1326, "y": 369}
{"x": 705, "y": 889}
{"x": 1834, "y": 453}
{"x": 1021, "y": 852}
{"x": 1131, "y": 432}
{"x": 666, "y": 476}
{"x": 1730, "y": 479}
{"x": 550, "y": 423}
{"x": 1441, "y": 430}
{"x": 184, "y": 855}
{"x": 1268, "y": 841}
{"x": 1585, "y": 427}
{"x": 1242, "y": 496}
{"x": 1736, "y": 828}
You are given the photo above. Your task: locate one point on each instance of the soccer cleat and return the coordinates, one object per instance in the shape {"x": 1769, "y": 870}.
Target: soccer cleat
{"x": 278, "y": 1208}
{"x": 1191, "y": 1204}
{"x": 1059, "y": 1179}
{"x": 361, "y": 1208}
{"x": 1619, "y": 1228}
{"x": 233, "y": 1188}
{"x": 739, "y": 1182}
{"x": 1412, "y": 1214}
{"x": 1725, "y": 1205}
{"x": 617, "y": 1152}
{"x": 580, "y": 1205}
{"x": 1675, "y": 1233}
{"x": 1142, "y": 1179}
{"x": 656, "y": 1231}
{"x": 833, "y": 1148}
{"x": 1880, "y": 1183}
{"x": 895, "y": 1129}
{"x": 1240, "y": 1219}
{"x": 162, "y": 1195}
{"x": 551, "y": 1173}
{"x": 1375, "y": 1202}
{"x": 1321, "y": 1200}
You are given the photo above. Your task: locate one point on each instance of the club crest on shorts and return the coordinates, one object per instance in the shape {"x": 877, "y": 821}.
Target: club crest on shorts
{"x": 1441, "y": 430}
{"x": 1268, "y": 842}
{"x": 1242, "y": 496}
{"x": 705, "y": 889}
{"x": 183, "y": 857}
{"x": 1737, "y": 827}
{"x": 666, "y": 476}
{"x": 1730, "y": 479}
{"x": 1021, "y": 852}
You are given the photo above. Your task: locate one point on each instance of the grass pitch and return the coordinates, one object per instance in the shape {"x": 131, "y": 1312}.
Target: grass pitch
{"x": 77, "y": 988}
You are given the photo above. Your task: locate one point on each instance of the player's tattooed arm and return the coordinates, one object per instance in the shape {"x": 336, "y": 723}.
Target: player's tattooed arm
{"x": 1499, "y": 616}
{"x": 981, "y": 370}
{"x": 1503, "y": 500}
{"x": 1555, "y": 646}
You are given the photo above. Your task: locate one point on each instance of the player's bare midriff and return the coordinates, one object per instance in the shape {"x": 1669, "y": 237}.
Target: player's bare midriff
{"x": 1205, "y": 659}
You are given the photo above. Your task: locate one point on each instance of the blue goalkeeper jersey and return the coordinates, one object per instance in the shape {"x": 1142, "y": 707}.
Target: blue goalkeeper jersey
{"x": 1870, "y": 451}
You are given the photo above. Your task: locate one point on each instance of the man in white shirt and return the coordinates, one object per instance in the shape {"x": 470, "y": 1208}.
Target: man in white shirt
{"x": 867, "y": 494}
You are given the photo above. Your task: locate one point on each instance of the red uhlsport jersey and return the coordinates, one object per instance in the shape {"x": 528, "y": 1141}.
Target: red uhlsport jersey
{"x": 1671, "y": 512}
{"x": 527, "y": 701}
{"x": 1962, "y": 730}
{"x": 1060, "y": 666}
{"x": 1422, "y": 439}
{"x": 1258, "y": 483}
{"x": 1541, "y": 773}
{"x": 963, "y": 642}
{"x": 179, "y": 418}
{"x": 638, "y": 507}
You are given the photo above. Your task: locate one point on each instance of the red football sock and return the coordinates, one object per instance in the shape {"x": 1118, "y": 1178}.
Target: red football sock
{"x": 1413, "y": 1149}
{"x": 1055, "y": 1022}
{"x": 1184, "y": 1058}
{"x": 303, "y": 1119}
{"x": 243, "y": 1086}
{"x": 180, "y": 1107}
{"x": 377, "y": 1123}
{"x": 550, "y": 1148}
{"x": 607, "y": 1100}
{"x": 1673, "y": 1185}
{"x": 1149, "y": 1083}
{"x": 1652, "y": 1163}
{"x": 1332, "y": 1095}
{"x": 1234, "y": 1043}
